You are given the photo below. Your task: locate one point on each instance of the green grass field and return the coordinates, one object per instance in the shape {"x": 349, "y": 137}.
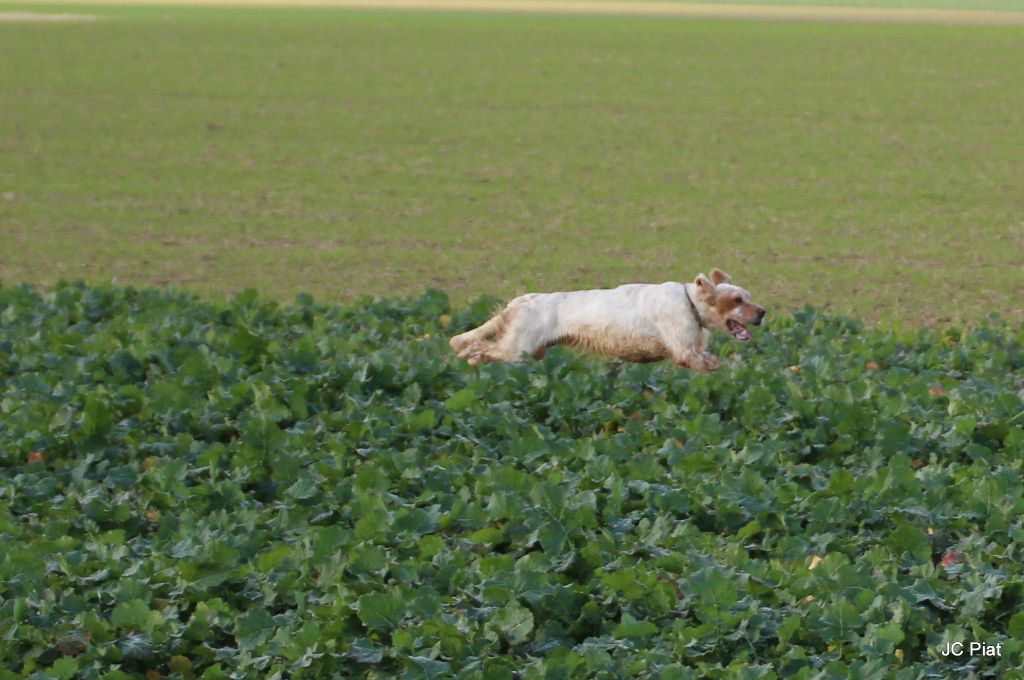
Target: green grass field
{"x": 866, "y": 169}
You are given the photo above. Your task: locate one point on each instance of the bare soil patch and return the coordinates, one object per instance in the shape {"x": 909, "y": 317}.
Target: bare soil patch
{"x": 697, "y": 10}
{"x": 14, "y": 17}
{"x": 638, "y": 8}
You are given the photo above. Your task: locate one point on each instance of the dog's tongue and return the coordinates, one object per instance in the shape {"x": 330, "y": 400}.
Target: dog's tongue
{"x": 738, "y": 330}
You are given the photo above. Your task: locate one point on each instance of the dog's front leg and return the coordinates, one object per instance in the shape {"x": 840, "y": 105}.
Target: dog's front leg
{"x": 698, "y": 361}
{"x": 685, "y": 342}
{"x": 711, "y": 362}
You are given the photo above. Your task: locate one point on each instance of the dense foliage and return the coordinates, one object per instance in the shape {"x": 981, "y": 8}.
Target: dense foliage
{"x": 197, "y": 489}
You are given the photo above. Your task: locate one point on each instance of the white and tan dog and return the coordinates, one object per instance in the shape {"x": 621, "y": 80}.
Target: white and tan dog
{"x": 635, "y": 322}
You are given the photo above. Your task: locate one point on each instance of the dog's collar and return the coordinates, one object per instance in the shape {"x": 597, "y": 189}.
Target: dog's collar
{"x": 693, "y": 307}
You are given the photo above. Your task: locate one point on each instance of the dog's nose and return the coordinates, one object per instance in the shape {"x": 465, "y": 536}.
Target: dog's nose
{"x": 760, "y": 316}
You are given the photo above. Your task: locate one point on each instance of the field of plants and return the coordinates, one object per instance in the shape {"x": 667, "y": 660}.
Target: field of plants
{"x": 196, "y": 489}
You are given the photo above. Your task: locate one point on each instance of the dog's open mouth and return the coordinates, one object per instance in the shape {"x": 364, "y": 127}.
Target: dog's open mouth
{"x": 738, "y": 330}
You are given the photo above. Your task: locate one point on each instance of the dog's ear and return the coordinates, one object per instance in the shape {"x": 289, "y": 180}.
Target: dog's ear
{"x": 705, "y": 288}
{"x": 718, "y": 276}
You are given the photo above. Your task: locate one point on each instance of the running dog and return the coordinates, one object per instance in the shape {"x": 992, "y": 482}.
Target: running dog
{"x": 634, "y": 322}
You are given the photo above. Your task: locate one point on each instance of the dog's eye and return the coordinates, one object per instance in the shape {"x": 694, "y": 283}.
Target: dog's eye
{"x": 737, "y": 299}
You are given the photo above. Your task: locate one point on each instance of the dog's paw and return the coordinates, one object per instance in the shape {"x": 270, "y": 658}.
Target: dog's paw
{"x": 699, "y": 362}
{"x": 710, "y": 363}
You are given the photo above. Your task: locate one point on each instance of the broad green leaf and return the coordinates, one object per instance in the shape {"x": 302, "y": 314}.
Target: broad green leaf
{"x": 306, "y": 486}
{"x": 840, "y": 618}
{"x": 423, "y": 420}
{"x": 515, "y": 622}
{"x": 133, "y": 615}
{"x": 364, "y": 652}
{"x": 270, "y": 560}
{"x": 486, "y": 535}
{"x": 750, "y": 529}
{"x": 631, "y": 628}
{"x": 906, "y": 538}
{"x": 253, "y": 628}
{"x": 64, "y": 668}
{"x": 461, "y": 399}
{"x": 380, "y": 611}
{"x": 215, "y": 672}
{"x": 1016, "y": 626}
{"x": 712, "y": 587}
{"x": 789, "y": 627}
{"x": 965, "y": 425}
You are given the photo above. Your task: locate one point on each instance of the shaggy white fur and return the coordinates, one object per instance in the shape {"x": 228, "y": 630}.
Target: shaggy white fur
{"x": 634, "y": 322}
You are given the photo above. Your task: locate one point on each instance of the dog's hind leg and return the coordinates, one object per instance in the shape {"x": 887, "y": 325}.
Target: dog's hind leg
{"x": 520, "y": 342}
{"x": 502, "y": 338}
{"x": 490, "y": 331}
{"x": 465, "y": 341}
{"x": 474, "y": 350}
{"x": 503, "y": 348}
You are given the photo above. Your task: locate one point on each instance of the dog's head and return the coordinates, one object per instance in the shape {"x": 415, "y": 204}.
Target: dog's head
{"x": 724, "y": 306}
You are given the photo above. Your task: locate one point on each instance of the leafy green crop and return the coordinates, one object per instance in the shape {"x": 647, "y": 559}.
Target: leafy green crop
{"x": 249, "y": 490}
